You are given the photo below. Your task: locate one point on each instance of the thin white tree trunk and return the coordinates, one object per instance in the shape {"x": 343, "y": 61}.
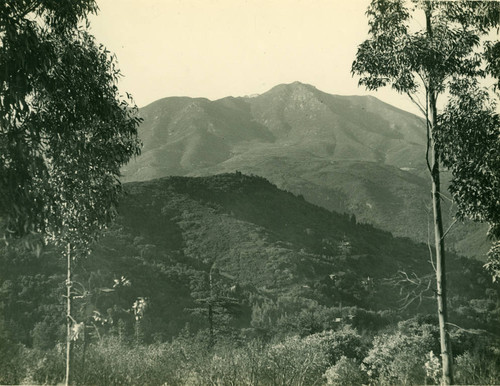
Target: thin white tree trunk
{"x": 446, "y": 356}
{"x": 69, "y": 321}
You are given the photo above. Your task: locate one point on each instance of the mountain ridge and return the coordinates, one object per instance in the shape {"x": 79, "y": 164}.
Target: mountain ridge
{"x": 287, "y": 114}
{"x": 353, "y": 154}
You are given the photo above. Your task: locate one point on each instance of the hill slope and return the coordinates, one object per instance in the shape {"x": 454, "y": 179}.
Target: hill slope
{"x": 275, "y": 253}
{"x": 183, "y": 135}
{"x": 350, "y": 154}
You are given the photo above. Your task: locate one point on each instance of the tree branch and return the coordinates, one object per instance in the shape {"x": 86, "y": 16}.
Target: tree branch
{"x": 442, "y": 195}
{"x": 411, "y": 288}
{"x": 416, "y": 103}
{"x": 449, "y": 228}
{"x": 469, "y": 331}
{"x": 428, "y": 132}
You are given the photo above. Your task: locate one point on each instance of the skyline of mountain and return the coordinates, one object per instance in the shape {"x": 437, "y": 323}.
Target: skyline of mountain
{"x": 352, "y": 154}
{"x": 297, "y": 116}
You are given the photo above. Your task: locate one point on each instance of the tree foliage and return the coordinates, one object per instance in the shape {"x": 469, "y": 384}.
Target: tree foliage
{"x": 473, "y": 157}
{"x": 407, "y": 59}
{"x": 65, "y": 130}
{"x": 399, "y": 358}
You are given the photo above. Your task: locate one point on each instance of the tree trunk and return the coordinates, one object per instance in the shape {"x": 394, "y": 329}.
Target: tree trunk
{"x": 210, "y": 310}
{"x": 446, "y": 356}
{"x": 84, "y": 352}
{"x": 137, "y": 331}
{"x": 211, "y": 341}
{"x": 69, "y": 322}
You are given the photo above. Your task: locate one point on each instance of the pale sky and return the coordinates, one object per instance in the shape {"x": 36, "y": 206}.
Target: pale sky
{"x": 218, "y": 48}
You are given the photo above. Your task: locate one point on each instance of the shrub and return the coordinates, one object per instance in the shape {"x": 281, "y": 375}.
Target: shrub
{"x": 296, "y": 361}
{"x": 113, "y": 362}
{"x": 227, "y": 366}
{"x": 473, "y": 368}
{"x": 12, "y": 365}
{"x": 399, "y": 358}
{"x": 347, "y": 371}
{"x": 44, "y": 367}
{"x": 433, "y": 368}
{"x": 344, "y": 342}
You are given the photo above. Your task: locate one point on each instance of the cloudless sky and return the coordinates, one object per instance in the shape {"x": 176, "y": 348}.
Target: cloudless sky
{"x": 217, "y": 48}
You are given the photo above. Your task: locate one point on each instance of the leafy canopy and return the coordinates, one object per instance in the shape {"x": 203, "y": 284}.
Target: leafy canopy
{"x": 473, "y": 156}
{"x": 399, "y": 55}
{"x": 65, "y": 130}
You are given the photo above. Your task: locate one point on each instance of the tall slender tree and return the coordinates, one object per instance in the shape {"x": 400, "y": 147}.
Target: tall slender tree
{"x": 424, "y": 63}
{"x": 215, "y": 301}
{"x": 65, "y": 130}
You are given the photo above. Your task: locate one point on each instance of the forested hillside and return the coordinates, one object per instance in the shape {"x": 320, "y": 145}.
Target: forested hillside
{"x": 237, "y": 258}
{"x": 350, "y": 154}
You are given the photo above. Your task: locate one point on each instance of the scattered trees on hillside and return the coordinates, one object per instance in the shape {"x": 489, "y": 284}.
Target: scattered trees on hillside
{"x": 441, "y": 57}
{"x": 64, "y": 129}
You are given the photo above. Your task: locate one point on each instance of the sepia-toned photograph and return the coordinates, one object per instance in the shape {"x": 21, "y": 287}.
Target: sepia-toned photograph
{"x": 249, "y": 192}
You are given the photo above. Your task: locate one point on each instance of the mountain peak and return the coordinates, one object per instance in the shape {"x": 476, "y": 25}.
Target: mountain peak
{"x": 300, "y": 84}
{"x": 287, "y": 87}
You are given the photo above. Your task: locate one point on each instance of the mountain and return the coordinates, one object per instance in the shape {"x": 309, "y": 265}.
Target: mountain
{"x": 352, "y": 154}
{"x": 275, "y": 253}
{"x": 184, "y": 135}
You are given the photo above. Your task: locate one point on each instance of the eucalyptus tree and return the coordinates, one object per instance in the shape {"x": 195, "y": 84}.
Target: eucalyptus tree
{"x": 424, "y": 49}
{"x": 473, "y": 156}
{"x": 472, "y": 119}
{"x": 64, "y": 129}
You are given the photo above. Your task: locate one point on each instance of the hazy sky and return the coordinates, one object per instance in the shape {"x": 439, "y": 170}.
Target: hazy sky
{"x": 216, "y": 48}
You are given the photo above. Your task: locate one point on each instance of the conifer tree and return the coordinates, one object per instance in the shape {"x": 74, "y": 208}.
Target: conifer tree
{"x": 215, "y": 301}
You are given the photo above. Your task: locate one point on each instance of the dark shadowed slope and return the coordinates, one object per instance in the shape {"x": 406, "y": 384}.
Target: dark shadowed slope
{"x": 271, "y": 249}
